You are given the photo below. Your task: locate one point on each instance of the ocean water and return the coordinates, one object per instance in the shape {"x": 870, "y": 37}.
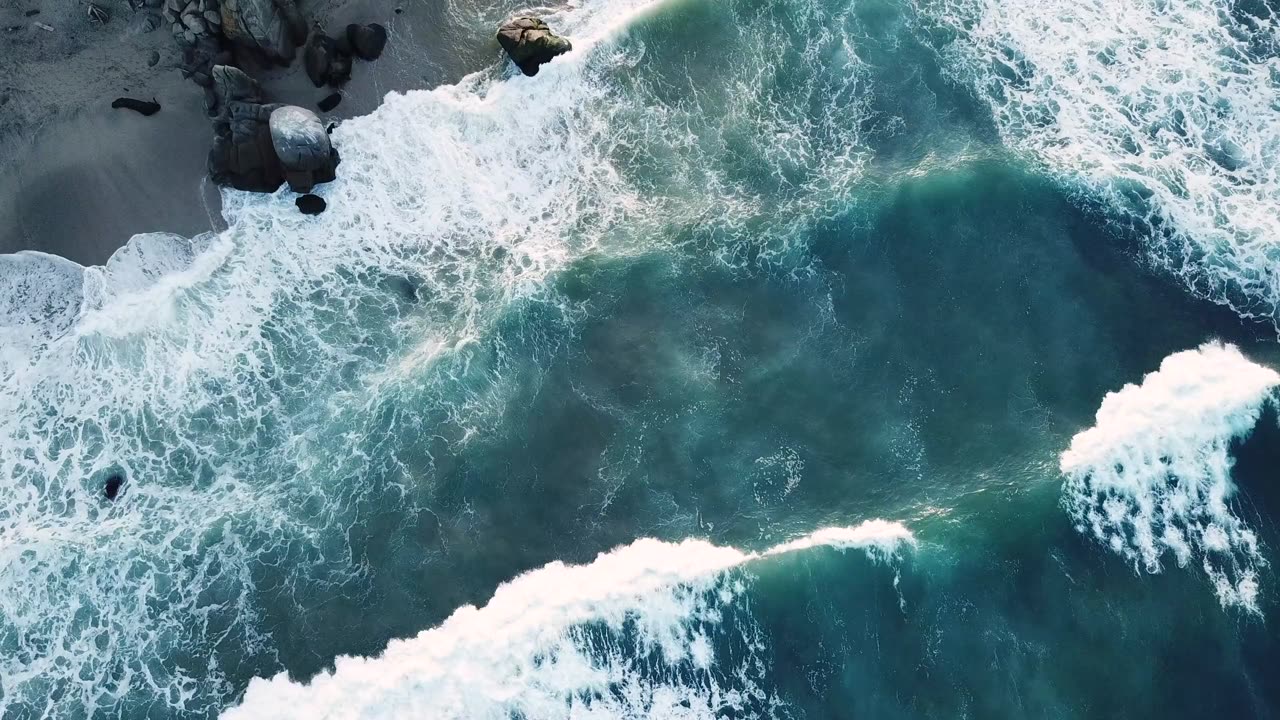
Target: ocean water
{"x": 757, "y": 359}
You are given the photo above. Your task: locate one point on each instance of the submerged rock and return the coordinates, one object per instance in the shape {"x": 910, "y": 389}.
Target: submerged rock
{"x": 111, "y": 488}
{"x": 530, "y": 43}
{"x": 311, "y": 204}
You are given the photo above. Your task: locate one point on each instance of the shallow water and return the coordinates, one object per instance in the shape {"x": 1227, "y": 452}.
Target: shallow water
{"x": 727, "y": 275}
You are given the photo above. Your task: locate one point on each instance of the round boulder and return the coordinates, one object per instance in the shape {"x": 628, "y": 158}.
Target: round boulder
{"x": 302, "y": 146}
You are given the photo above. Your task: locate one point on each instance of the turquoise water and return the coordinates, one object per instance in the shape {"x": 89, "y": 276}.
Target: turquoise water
{"x": 757, "y": 359}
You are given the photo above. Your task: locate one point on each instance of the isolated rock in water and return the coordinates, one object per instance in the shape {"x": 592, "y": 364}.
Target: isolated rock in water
{"x": 112, "y": 486}
{"x": 531, "y": 43}
{"x": 329, "y": 102}
{"x": 311, "y": 204}
{"x": 303, "y": 148}
{"x": 367, "y": 41}
{"x": 141, "y": 106}
{"x": 318, "y": 58}
{"x": 272, "y": 27}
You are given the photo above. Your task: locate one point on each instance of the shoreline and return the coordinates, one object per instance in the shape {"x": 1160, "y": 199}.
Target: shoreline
{"x": 78, "y": 179}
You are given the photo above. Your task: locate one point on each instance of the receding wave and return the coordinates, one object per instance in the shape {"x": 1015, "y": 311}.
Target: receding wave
{"x": 1169, "y": 111}
{"x": 1152, "y": 477}
{"x": 652, "y": 629}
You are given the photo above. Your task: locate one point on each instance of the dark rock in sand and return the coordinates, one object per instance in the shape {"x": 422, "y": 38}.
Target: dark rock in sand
{"x": 319, "y": 56}
{"x": 530, "y": 43}
{"x": 112, "y": 486}
{"x": 311, "y": 204}
{"x": 367, "y": 41}
{"x": 154, "y": 59}
{"x": 303, "y": 147}
{"x": 32, "y": 13}
{"x": 140, "y": 106}
{"x": 339, "y": 70}
{"x": 329, "y": 102}
{"x": 258, "y": 145}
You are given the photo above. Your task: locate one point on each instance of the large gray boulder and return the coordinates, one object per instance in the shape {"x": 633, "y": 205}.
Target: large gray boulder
{"x": 303, "y": 148}
{"x": 530, "y": 43}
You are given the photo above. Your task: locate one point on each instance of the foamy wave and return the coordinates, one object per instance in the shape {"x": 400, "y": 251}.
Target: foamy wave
{"x": 220, "y": 376}
{"x": 1168, "y": 110}
{"x": 1152, "y": 477}
{"x": 241, "y": 380}
{"x": 632, "y": 634}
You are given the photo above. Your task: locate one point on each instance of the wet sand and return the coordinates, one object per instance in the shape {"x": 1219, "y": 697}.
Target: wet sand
{"x": 78, "y": 178}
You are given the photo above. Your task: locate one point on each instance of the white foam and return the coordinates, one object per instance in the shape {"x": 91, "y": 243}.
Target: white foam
{"x": 210, "y": 370}
{"x": 1152, "y": 477}
{"x": 630, "y": 634}
{"x": 237, "y": 378}
{"x": 1170, "y": 111}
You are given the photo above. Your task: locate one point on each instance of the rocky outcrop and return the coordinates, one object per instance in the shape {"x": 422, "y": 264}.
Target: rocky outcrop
{"x": 270, "y": 29}
{"x": 530, "y": 43}
{"x": 258, "y": 146}
{"x": 302, "y": 146}
{"x": 243, "y": 156}
{"x": 273, "y": 28}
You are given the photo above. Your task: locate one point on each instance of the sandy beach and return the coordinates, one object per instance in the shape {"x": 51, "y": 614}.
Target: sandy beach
{"x": 78, "y": 178}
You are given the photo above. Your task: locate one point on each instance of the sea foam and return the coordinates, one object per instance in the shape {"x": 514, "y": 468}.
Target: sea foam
{"x": 1152, "y": 477}
{"x": 1167, "y": 111}
{"x": 632, "y": 634}
{"x": 219, "y": 375}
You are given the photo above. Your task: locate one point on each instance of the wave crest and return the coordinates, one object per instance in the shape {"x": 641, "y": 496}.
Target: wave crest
{"x": 1152, "y": 477}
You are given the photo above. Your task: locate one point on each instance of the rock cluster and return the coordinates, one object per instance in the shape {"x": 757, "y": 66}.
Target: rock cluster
{"x": 328, "y": 60}
{"x": 530, "y": 43}
{"x": 254, "y": 150}
{"x": 210, "y": 31}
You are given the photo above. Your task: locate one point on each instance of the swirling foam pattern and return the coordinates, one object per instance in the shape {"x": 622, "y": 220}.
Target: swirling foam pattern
{"x": 1169, "y": 110}
{"x": 239, "y": 380}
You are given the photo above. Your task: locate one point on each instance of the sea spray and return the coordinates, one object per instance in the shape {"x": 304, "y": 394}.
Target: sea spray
{"x": 631, "y": 634}
{"x": 1152, "y": 477}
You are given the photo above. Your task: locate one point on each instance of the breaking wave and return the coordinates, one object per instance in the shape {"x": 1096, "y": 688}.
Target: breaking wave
{"x": 1152, "y": 477}
{"x": 652, "y": 629}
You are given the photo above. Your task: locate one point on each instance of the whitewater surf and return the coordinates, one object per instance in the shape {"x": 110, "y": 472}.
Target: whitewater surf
{"x": 582, "y": 397}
